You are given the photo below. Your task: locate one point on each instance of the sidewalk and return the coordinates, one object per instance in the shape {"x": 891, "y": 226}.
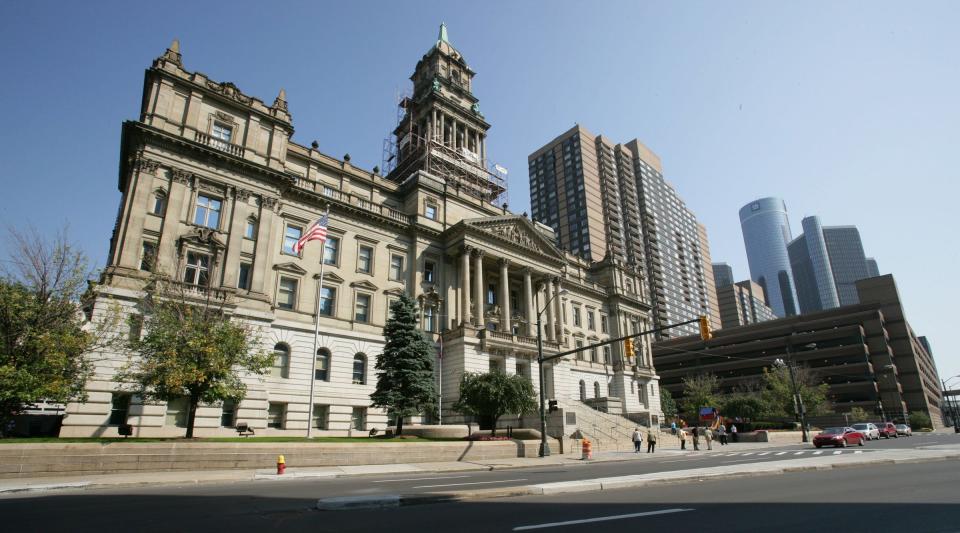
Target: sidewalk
{"x": 8, "y": 486}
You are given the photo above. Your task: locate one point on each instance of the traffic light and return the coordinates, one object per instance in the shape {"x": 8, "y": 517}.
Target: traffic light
{"x": 705, "y": 333}
{"x": 552, "y": 405}
{"x": 628, "y": 348}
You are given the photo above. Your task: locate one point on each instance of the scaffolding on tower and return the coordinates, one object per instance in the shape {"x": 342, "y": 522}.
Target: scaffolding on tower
{"x": 407, "y": 150}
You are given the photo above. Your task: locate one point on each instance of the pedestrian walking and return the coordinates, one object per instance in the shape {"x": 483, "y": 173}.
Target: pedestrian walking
{"x": 708, "y": 436}
{"x": 637, "y": 440}
{"x": 673, "y": 427}
{"x": 651, "y": 441}
{"x": 733, "y": 432}
{"x": 683, "y": 438}
{"x": 722, "y": 435}
{"x": 696, "y": 439}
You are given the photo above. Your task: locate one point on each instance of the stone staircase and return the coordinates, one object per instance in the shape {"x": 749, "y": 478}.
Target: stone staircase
{"x": 611, "y": 432}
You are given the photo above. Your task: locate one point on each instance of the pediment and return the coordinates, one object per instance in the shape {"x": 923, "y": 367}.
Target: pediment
{"x": 517, "y": 230}
{"x": 330, "y": 277}
{"x": 290, "y": 267}
{"x": 364, "y": 284}
{"x": 395, "y": 291}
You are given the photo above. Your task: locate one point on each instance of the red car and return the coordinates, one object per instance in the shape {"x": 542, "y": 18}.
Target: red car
{"x": 839, "y": 437}
{"x": 887, "y": 429}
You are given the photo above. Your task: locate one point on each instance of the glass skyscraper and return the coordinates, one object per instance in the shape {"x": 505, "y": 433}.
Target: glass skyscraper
{"x": 766, "y": 232}
{"x": 827, "y": 262}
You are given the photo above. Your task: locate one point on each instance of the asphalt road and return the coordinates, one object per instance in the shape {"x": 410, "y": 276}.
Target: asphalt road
{"x": 915, "y": 497}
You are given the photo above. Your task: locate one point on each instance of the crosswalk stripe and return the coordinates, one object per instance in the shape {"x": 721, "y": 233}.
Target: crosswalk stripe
{"x": 818, "y": 452}
{"x": 798, "y": 453}
{"x": 838, "y": 452}
{"x": 780, "y": 453}
{"x": 858, "y": 451}
{"x": 747, "y": 453}
{"x": 762, "y": 453}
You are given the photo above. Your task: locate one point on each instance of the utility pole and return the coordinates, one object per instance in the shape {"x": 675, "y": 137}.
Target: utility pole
{"x": 799, "y": 411}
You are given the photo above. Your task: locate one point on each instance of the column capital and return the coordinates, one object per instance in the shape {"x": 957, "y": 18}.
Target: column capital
{"x": 466, "y": 249}
{"x": 477, "y": 252}
{"x": 503, "y": 262}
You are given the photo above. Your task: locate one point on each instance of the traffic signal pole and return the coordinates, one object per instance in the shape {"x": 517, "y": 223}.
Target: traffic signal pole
{"x": 624, "y": 338}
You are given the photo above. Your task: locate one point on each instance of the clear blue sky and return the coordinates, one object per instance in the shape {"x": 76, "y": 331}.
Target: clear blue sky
{"x": 847, "y": 110}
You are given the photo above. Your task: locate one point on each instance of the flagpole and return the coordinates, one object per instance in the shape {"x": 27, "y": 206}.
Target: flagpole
{"x": 316, "y": 335}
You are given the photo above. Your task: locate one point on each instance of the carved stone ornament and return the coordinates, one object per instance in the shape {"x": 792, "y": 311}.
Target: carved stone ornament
{"x": 182, "y": 176}
{"x": 223, "y": 116}
{"x": 269, "y": 202}
{"x": 515, "y": 235}
{"x": 149, "y": 166}
{"x": 241, "y": 194}
{"x": 230, "y": 91}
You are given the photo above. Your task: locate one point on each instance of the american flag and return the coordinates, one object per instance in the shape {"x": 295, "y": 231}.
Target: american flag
{"x": 316, "y": 232}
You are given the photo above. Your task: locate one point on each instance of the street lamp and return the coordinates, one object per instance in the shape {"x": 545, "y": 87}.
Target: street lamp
{"x": 544, "y": 446}
{"x": 953, "y": 405}
{"x": 799, "y": 410}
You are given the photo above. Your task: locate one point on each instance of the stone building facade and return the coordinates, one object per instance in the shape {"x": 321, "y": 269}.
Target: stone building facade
{"x": 214, "y": 192}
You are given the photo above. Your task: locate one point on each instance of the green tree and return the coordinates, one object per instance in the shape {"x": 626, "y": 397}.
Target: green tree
{"x": 858, "y": 414}
{"x": 494, "y": 395}
{"x": 44, "y": 338}
{"x": 405, "y": 378}
{"x": 920, "y": 420}
{"x": 667, "y": 404}
{"x": 190, "y": 348}
{"x": 778, "y": 391}
{"x": 743, "y": 405}
{"x": 699, "y": 390}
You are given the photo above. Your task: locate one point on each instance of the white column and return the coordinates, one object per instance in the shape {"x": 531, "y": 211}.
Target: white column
{"x": 479, "y": 289}
{"x": 528, "y": 302}
{"x": 505, "y": 296}
{"x": 559, "y": 309}
{"x": 465, "y": 285}
{"x": 551, "y": 329}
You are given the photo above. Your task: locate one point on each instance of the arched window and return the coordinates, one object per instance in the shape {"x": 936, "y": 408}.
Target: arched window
{"x": 158, "y": 202}
{"x": 323, "y": 365}
{"x": 596, "y": 389}
{"x": 583, "y": 391}
{"x": 359, "y": 369}
{"x": 281, "y": 361}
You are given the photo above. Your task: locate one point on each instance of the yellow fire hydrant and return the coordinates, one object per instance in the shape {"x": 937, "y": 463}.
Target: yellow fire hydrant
{"x": 281, "y": 465}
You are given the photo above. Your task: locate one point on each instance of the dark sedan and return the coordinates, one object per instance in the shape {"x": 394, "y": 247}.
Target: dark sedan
{"x": 841, "y": 437}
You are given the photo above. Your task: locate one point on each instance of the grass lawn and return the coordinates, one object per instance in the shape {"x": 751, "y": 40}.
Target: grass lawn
{"x": 108, "y": 440}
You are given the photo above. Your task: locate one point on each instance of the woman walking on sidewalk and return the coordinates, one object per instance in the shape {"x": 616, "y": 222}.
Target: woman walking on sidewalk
{"x": 651, "y": 441}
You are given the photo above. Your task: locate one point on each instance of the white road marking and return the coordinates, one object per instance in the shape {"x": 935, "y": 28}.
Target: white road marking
{"x": 474, "y": 483}
{"x": 762, "y": 453}
{"x": 858, "y": 451}
{"x": 798, "y": 453}
{"x": 738, "y": 461}
{"x": 818, "y": 452}
{"x": 600, "y": 519}
{"x": 780, "y": 453}
{"x": 838, "y": 452}
{"x": 418, "y": 479}
{"x": 746, "y": 454}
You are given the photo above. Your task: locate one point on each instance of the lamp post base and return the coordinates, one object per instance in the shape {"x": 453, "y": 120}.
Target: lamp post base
{"x": 544, "y": 450}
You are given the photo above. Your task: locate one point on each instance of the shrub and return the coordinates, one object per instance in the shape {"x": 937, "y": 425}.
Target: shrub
{"x": 920, "y": 420}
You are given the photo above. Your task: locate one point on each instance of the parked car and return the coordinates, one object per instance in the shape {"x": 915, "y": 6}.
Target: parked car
{"x": 841, "y": 437}
{"x": 903, "y": 429}
{"x": 887, "y": 429}
{"x": 869, "y": 430}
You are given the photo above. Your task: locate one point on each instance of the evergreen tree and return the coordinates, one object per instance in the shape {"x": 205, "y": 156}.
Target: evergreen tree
{"x": 405, "y": 377}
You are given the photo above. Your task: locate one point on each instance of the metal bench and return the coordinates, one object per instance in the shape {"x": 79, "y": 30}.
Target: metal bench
{"x": 244, "y": 430}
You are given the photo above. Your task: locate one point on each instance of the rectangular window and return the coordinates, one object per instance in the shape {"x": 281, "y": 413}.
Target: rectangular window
{"x": 291, "y": 235}
{"x": 198, "y": 269}
{"x": 275, "y": 414}
{"x": 208, "y": 212}
{"x": 603, "y": 323}
{"x": 363, "y": 308}
{"x": 580, "y": 354}
{"x": 607, "y": 359}
{"x": 159, "y": 202}
{"x": 322, "y": 372}
{"x": 428, "y": 319}
{"x": 287, "y": 293}
{"x": 591, "y": 324}
{"x": 119, "y": 408}
{"x": 364, "y": 259}
{"x": 429, "y": 269}
{"x": 430, "y": 211}
{"x": 396, "y": 267}
{"x": 228, "y": 414}
{"x": 358, "y": 419}
{"x": 576, "y": 316}
{"x": 491, "y": 294}
{"x": 331, "y": 250}
{"x": 321, "y": 414}
{"x": 328, "y": 300}
{"x": 250, "y": 232}
{"x": 148, "y": 256}
{"x": 221, "y": 131}
{"x": 177, "y": 411}
{"x": 593, "y": 355}
{"x": 243, "y": 279}
{"x": 136, "y": 327}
